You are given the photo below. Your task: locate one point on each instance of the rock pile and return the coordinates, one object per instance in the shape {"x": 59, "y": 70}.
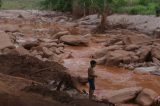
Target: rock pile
{"x": 129, "y": 50}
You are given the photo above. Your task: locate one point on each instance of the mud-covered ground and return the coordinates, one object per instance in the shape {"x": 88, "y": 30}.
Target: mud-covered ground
{"x": 44, "y": 51}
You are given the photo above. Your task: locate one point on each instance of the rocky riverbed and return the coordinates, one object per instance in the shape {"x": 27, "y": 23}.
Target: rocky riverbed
{"x": 47, "y": 54}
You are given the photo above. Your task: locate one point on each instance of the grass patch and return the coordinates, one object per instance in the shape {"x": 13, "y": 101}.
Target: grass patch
{"x": 20, "y": 4}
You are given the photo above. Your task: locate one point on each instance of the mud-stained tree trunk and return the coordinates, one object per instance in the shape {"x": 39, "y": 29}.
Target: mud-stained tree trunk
{"x": 77, "y": 10}
{"x": 104, "y": 14}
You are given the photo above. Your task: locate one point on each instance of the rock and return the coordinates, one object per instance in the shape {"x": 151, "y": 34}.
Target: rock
{"x": 119, "y": 56}
{"x": 82, "y": 80}
{"x": 60, "y": 45}
{"x": 65, "y": 55}
{"x": 139, "y": 38}
{"x": 146, "y": 97}
{"x": 157, "y": 33}
{"x": 5, "y": 41}
{"x": 74, "y": 40}
{"x": 132, "y": 47}
{"x": 60, "y": 34}
{"x": 20, "y": 51}
{"x": 30, "y": 44}
{"x": 54, "y": 57}
{"x": 146, "y": 69}
{"x": 34, "y": 52}
{"x": 48, "y": 45}
{"x": 101, "y": 60}
{"x": 123, "y": 95}
{"x": 105, "y": 50}
{"x": 57, "y": 51}
{"x": 144, "y": 53}
{"x": 47, "y": 52}
{"x": 156, "y": 52}
{"x": 46, "y": 40}
{"x": 113, "y": 40}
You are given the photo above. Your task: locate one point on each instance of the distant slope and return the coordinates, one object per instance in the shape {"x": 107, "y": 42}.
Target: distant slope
{"x": 21, "y": 4}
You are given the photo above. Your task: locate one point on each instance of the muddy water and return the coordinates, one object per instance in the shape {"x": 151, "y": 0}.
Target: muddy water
{"x": 109, "y": 78}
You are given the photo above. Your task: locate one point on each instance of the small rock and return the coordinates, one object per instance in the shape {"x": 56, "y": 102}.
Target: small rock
{"x": 74, "y": 40}
{"x": 60, "y": 34}
{"x": 47, "y": 52}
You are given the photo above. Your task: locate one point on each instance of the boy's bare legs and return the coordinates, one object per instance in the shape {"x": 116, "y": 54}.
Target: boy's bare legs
{"x": 91, "y": 92}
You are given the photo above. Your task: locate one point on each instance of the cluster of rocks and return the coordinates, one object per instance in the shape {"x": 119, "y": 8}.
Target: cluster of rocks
{"x": 138, "y": 95}
{"x": 129, "y": 50}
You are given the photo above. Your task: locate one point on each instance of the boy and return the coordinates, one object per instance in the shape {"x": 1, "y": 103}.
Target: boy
{"x": 91, "y": 78}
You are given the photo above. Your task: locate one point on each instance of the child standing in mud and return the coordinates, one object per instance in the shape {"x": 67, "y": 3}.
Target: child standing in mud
{"x": 91, "y": 78}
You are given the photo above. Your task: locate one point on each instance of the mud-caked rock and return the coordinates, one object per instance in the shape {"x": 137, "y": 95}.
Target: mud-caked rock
{"x": 60, "y": 34}
{"x": 30, "y": 44}
{"x": 74, "y": 40}
{"x": 123, "y": 95}
{"x": 16, "y": 51}
{"x": 132, "y": 47}
{"x": 119, "y": 56}
{"x": 5, "y": 41}
{"x": 156, "y": 52}
{"x": 146, "y": 97}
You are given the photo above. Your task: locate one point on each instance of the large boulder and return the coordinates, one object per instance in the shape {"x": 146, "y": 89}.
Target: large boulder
{"x": 120, "y": 56}
{"x": 123, "y": 95}
{"x": 146, "y": 97}
{"x": 105, "y": 50}
{"x": 136, "y": 39}
{"x": 75, "y": 40}
{"x": 5, "y": 41}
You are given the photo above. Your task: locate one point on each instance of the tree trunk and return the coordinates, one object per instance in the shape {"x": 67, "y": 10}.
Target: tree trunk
{"x": 104, "y": 15}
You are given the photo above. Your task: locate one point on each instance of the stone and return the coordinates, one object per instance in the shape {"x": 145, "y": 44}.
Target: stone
{"x": 146, "y": 97}
{"x": 105, "y": 50}
{"x": 132, "y": 47}
{"x": 48, "y": 45}
{"x": 139, "y": 38}
{"x": 5, "y": 41}
{"x": 47, "y": 52}
{"x": 20, "y": 51}
{"x": 156, "y": 52}
{"x": 123, "y": 95}
{"x": 119, "y": 56}
{"x": 75, "y": 40}
{"x": 30, "y": 44}
{"x": 156, "y": 33}
{"x": 144, "y": 53}
{"x": 60, "y": 34}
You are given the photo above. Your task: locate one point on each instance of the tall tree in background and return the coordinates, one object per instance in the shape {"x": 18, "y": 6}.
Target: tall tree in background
{"x": 0, "y": 3}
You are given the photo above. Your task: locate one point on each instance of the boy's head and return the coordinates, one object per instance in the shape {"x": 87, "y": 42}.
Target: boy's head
{"x": 93, "y": 63}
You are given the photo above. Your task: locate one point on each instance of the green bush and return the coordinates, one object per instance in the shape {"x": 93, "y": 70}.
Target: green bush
{"x": 116, "y": 6}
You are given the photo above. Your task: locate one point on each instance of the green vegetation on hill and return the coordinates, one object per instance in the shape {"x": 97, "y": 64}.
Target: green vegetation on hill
{"x": 21, "y": 4}
{"x": 116, "y": 6}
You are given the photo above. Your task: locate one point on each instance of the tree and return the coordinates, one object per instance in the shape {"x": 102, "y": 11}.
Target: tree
{"x": 81, "y": 8}
{"x": 0, "y": 3}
